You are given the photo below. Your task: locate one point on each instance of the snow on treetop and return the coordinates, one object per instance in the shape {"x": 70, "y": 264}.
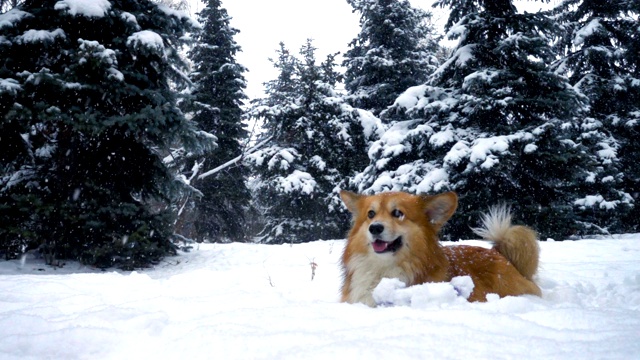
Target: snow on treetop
{"x": 9, "y": 86}
{"x": 529, "y": 148}
{"x": 179, "y": 14}
{"x": 435, "y": 180}
{"x": 417, "y": 177}
{"x": 98, "y": 49}
{"x": 298, "y": 181}
{"x": 12, "y": 16}
{"x": 410, "y": 97}
{"x": 443, "y": 137}
{"x": 88, "y": 8}
{"x": 32, "y": 35}
{"x": 129, "y": 17}
{"x": 459, "y": 151}
{"x": 148, "y": 39}
{"x": 461, "y": 56}
{"x": 590, "y": 201}
{"x": 393, "y": 142}
{"x": 586, "y": 31}
{"x": 370, "y": 123}
{"x": 607, "y": 151}
{"x": 464, "y": 54}
{"x": 425, "y": 97}
{"x": 318, "y": 162}
{"x": 482, "y": 148}
{"x": 483, "y": 75}
{"x": 94, "y": 49}
{"x": 457, "y": 30}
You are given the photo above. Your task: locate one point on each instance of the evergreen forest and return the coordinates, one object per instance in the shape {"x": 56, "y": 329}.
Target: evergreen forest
{"x": 127, "y": 136}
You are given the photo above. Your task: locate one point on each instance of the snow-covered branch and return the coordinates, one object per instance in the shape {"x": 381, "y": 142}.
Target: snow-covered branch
{"x": 234, "y": 160}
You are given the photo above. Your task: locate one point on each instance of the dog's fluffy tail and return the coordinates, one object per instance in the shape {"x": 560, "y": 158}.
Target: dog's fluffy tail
{"x": 519, "y": 244}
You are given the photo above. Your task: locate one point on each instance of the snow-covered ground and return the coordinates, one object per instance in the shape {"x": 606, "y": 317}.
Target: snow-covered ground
{"x": 244, "y": 301}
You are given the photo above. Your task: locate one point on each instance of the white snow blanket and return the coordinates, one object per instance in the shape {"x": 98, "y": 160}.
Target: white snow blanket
{"x": 246, "y": 301}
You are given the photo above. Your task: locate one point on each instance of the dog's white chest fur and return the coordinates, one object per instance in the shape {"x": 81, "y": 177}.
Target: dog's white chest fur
{"x": 367, "y": 271}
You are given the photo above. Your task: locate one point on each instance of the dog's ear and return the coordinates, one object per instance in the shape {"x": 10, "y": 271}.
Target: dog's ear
{"x": 350, "y": 200}
{"x": 439, "y": 208}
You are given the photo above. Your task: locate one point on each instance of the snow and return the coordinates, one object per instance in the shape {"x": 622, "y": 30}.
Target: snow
{"x": 12, "y": 16}
{"x": 607, "y": 151}
{"x": 411, "y": 97}
{"x": 458, "y": 152}
{"x": 88, "y": 8}
{"x": 443, "y": 137}
{"x": 391, "y": 142}
{"x": 95, "y": 49}
{"x": 129, "y": 17}
{"x": 371, "y": 125}
{"x": 281, "y": 159}
{"x": 32, "y": 35}
{"x": 586, "y": 31}
{"x": 484, "y": 76}
{"x": 10, "y": 86}
{"x": 182, "y": 15}
{"x": 318, "y": 162}
{"x": 45, "y": 151}
{"x": 249, "y": 301}
{"x": 483, "y": 147}
{"x": 590, "y": 201}
{"x": 460, "y": 57}
{"x": 457, "y": 30}
{"x": 298, "y": 181}
{"x": 529, "y": 148}
{"x": 435, "y": 180}
{"x": 393, "y": 292}
{"x": 148, "y": 39}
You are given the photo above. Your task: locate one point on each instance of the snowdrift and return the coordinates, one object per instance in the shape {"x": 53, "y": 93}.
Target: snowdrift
{"x": 244, "y": 301}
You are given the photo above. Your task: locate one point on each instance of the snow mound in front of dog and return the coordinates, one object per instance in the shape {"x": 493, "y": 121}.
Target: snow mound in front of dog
{"x": 393, "y": 292}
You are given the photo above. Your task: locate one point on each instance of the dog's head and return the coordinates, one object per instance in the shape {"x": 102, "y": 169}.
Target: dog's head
{"x": 392, "y": 220}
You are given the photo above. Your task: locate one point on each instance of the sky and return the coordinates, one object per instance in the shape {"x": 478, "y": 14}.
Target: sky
{"x": 263, "y": 24}
{"x": 330, "y": 23}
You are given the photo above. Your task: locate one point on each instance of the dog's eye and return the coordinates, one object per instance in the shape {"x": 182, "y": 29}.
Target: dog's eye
{"x": 371, "y": 214}
{"x": 397, "y": 213}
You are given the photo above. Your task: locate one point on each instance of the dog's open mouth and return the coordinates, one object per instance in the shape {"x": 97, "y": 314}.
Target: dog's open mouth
{"x": 380, "y": 246}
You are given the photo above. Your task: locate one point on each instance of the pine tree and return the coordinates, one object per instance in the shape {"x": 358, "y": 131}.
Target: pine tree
{"x": 493, "y": 123}
{"x": 315, "y": 143}
{"x": 87, "y": 108}
{"x": 599, "y": 50}
{"x": 216, "y": 103}
{"x": 396, "y": 49}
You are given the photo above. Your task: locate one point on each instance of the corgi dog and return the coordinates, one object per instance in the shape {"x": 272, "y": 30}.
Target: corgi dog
{"x": 395, "y": 235}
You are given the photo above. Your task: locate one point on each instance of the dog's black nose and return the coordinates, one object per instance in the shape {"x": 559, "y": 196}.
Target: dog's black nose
{"x": 376, "y": 228}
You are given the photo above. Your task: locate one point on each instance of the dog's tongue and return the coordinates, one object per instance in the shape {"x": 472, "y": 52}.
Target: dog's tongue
{"x": 379, "y": 245}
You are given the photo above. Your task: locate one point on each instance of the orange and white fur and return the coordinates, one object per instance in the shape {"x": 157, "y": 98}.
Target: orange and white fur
{"x": 395, "y": 235}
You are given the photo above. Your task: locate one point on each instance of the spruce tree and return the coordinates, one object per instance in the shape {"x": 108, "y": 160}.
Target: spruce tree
{"x": 216, "y": 104}
{"x": 315, "y": 143}
{"x": 493, "y": 123}
{"x": 395, "y": 49}
{"x": 599, "y": 53}
{"x": 87, "y": 108}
